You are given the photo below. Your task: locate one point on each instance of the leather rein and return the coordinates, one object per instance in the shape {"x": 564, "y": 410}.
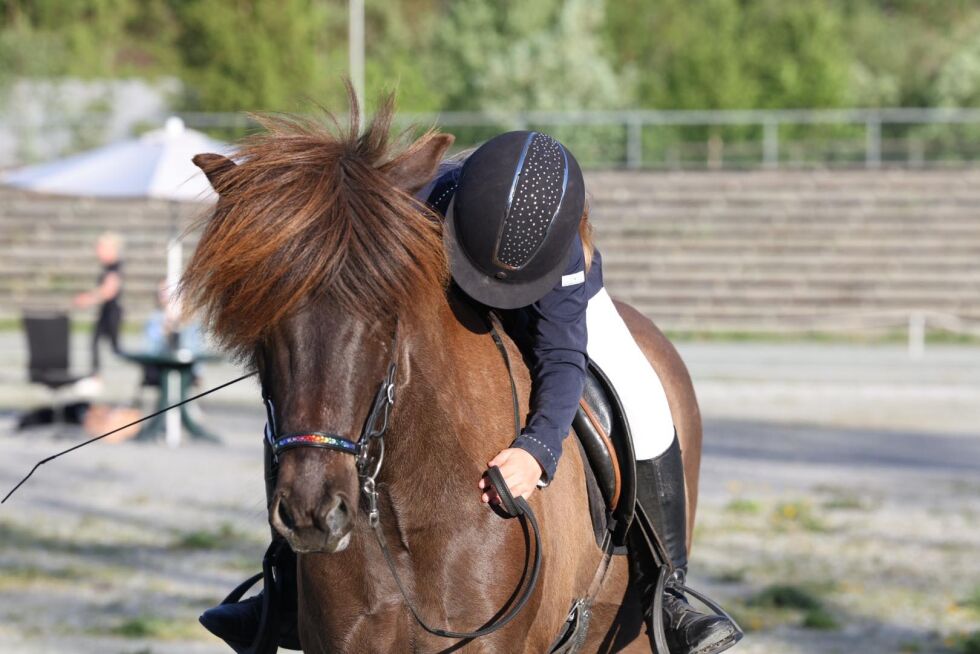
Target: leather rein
{"x": 369, "y": 450}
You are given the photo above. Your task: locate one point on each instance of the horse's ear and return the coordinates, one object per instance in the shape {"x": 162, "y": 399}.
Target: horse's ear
{"x": 415, "y": 167}
{"x": 214, "y": 166}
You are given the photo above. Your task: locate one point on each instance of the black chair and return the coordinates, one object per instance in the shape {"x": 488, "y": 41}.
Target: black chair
{"x": 48, "y": 346}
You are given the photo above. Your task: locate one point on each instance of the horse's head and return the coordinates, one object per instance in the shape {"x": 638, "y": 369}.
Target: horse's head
{"x": 314, "y": 251}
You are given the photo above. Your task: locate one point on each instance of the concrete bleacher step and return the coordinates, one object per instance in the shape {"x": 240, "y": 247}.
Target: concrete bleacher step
{"x": 702, "y": 251}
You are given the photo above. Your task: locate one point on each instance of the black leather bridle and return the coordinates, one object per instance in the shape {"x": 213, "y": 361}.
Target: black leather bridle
{"x": 369, "y": 449}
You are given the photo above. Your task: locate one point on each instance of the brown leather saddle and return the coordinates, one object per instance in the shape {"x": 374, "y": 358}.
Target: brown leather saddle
{"x": 604, "y": 434}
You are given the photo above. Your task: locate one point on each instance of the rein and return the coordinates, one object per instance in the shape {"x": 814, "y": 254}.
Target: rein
{"x": 369, "y": 453}
{"x": 117, "y": 429}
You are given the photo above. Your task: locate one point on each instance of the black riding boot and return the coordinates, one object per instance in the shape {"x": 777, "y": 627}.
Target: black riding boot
{"x": 661, "y": 499}
{"x": 238, "y": 623}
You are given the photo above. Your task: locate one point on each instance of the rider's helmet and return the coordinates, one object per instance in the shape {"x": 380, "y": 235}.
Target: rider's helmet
{"x": 514, "y": 215}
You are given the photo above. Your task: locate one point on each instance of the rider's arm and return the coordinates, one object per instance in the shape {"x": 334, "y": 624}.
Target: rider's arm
{"x": 557, "y": 338}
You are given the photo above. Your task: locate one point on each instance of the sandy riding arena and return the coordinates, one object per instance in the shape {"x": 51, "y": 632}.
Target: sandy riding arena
{"x": 840, "y": 510}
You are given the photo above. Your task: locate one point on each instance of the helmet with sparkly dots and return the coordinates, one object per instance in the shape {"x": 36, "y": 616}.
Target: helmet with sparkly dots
{"x": 513, "y": 217}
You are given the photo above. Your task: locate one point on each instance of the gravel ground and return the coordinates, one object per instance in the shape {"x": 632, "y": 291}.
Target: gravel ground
{"x": 840, "y": 509}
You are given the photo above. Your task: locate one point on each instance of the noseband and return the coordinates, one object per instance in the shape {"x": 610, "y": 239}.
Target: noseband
{"x": 368, "y": 451}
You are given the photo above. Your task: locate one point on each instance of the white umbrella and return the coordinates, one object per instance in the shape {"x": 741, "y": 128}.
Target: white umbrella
{"x": 155, "y": 165}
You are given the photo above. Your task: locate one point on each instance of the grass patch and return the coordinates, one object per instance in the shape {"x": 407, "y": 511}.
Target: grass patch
{"x": 972, "y": 601}
{"x": 30, "y": 574}
{"x": 965, "y": 643}
{"x": 224, "y": 537}
{"x": 844, "y": 503}
{"x": 820, "y": 618}
{"x": 758, "y": 618}
{"x": 151, "y": 627}
{"x": 243, "y": 564}
{"x": 15, "y": 535}
{"x": 732, "y": 576}
{"x": 785, "y": 596}
{"x": 791, "y": 603}
{"x": 142, "y": 627}
{"x": 743, "y": 506}
{"x": 796, "y": 515}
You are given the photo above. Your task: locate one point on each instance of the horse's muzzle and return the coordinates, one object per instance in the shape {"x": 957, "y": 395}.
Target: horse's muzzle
{"x": 322, "y": 527}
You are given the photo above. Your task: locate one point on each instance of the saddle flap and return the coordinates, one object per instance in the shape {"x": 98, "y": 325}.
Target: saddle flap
{"x": 603, "y": 431}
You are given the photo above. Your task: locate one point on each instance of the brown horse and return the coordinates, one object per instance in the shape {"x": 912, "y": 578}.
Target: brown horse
{"x": 314, "y": 253}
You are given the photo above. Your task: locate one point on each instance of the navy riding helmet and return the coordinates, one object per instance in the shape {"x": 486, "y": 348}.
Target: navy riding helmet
{"x": 514, "y": 215}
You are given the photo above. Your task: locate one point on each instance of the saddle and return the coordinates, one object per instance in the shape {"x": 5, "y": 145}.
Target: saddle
{"x": 604, "y": 436}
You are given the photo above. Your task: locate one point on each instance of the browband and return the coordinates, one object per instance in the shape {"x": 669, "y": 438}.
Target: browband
{"x": 315, "y": 439}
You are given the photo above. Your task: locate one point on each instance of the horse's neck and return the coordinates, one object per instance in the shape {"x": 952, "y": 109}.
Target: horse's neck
{"x": 453, "y": 412}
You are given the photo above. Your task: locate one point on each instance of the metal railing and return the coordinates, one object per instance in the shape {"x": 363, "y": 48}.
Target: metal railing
{"x": 868, "y": 138}
{"x": 631, "y": 139}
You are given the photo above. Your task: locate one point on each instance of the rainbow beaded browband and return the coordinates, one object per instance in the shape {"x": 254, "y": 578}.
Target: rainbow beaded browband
{"x": 316, "y": 439}
{"x": 368, "y": 457}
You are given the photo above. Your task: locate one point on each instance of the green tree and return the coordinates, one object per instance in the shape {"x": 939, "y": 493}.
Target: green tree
{"x": 796, "y": 54}
{"x": 86, "y": 38}
{"x": 958, "y": 82}
{"x": 514, "y": 54}
{"x": 731, "y": 54}
{"x": 683, "y": 55}
{"x": 249, "y": 54}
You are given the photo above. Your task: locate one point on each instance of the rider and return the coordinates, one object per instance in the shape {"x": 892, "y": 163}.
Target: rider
{"x": 519, "y": 241}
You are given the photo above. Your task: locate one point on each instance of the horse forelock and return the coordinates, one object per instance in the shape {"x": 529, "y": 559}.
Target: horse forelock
{"x": 308, "y": 216}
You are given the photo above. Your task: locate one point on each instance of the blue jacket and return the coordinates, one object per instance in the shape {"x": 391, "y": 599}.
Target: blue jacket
{"x": 552, "y": 336}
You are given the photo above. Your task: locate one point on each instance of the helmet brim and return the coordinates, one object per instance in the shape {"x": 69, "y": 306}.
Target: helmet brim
{"x": 486, "y": 289}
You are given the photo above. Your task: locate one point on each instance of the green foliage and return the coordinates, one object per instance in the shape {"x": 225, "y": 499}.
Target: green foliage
{"x": 517, "y": 55}
{"x": 225, "y": 537}
{"x": 820, "y": 618}
{"x": 731, "y": 54}
{"x": 86, "y": 38}
{"x": 972, "y": 601}
{"x": 800, "y": 514}
{"x": 156, "y": 628}
{"x": 785, "y": 604}
{"x": 254, "y": 54}
{"x": 743, "y": 506}
{"x": 958, "y": 82}
{"x": 785, "y": 596}
{"x": 967, "y": 643}
{"x": 514, "y": 54}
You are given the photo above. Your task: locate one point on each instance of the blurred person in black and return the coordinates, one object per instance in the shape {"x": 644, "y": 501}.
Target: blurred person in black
{"x": 106, "y": 295}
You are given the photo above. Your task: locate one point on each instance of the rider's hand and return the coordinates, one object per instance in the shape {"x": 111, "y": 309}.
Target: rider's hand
{"x": 520, "y": 471}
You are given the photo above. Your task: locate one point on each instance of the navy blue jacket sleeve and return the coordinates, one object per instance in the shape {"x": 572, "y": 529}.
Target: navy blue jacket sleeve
{"x": 555, "y": 337}
{"x": 552, "y": 336}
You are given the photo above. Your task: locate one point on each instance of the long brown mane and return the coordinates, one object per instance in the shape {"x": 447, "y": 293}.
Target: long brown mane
{"x": 310, "y": 212}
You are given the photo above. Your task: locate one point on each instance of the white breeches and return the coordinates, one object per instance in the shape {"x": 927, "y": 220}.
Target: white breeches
{"x": 612, "y": 348}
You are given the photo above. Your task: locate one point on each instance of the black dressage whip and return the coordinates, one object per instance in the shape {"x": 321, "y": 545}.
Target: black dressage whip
{"x": 110, "y": 433}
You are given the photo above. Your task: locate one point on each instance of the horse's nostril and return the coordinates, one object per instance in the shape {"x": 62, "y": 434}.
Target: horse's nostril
{"x": 285, "y": 516}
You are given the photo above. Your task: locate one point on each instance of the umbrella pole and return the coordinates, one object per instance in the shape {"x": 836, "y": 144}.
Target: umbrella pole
{"x": 174, "y": 248}
{"x": 174, "y": 262}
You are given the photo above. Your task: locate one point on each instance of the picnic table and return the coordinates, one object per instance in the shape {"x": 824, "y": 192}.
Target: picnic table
{"x": 176, "y": 378}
